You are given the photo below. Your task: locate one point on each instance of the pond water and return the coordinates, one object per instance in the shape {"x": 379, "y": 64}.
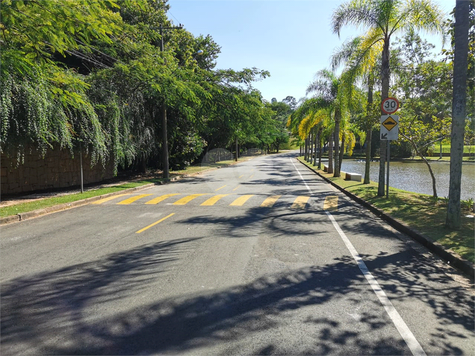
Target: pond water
{"x": 415, "y": 176}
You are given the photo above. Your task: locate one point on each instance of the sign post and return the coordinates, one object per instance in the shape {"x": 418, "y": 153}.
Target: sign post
{"x": 389, "y": 129}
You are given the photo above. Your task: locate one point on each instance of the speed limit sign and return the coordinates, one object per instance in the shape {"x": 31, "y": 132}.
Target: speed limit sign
{"x": 390, "y": 105}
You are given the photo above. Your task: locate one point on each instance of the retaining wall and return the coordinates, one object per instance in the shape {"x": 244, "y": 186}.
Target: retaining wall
{"x": 57, "y": 169}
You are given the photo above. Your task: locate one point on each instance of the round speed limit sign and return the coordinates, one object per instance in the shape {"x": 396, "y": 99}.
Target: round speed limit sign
{"x": 390, "y": 105}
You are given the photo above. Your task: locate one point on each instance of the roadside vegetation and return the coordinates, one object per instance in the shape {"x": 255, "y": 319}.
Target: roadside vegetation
{"x": 102, "y": 78}
{"x": 436, "y": 92}
{"x": 420, "y": 212}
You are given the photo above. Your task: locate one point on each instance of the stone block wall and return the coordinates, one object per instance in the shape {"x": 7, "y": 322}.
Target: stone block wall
{"x": 58, "y": 169}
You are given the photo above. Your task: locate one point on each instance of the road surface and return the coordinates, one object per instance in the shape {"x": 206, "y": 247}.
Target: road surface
{"x": 263, "y": 257}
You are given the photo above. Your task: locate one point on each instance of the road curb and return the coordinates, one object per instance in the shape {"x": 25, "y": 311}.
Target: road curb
{"x": 456, "y": 261}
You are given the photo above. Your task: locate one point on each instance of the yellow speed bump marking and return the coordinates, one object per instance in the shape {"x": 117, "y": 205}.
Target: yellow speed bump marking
{"x": 220, "y": 188}
{"x": 269, "y": 202}
{"x": 187, "y": 199}
{"x": 109, "y": 198}
{"x": 236, "y": 188}
{"x": 214, "y": 200}
{"x": 330, "y": 203}
{"x": 241, "y": 200}
{"x": 300, "y": 202}
{"x": 155, "y": 223}
{"x": 133, "y": 199}
{"x": 160, "y": 198}
{"x": 241, "y": 176}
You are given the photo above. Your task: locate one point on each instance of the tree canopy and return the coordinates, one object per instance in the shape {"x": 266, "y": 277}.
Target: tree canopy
{"x": 91, "y": 74}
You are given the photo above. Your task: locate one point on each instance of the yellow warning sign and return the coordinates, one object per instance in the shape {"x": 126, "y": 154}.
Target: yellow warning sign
{"x": 389, "y": 123}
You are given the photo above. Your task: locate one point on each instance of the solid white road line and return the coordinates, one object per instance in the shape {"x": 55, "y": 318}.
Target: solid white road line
{"x": 396, "y": 318}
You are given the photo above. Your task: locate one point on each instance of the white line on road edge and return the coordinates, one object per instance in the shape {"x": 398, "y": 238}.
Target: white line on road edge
{"x": 401, "y": 326}
{"x": 310, "y": 190}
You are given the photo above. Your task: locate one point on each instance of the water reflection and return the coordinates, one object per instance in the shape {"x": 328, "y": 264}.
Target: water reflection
{"x": 415, "y": 176}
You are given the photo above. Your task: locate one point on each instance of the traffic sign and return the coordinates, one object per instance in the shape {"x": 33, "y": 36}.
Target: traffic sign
{"x": 390, "y": 105}
{"x": 389, "y": 129}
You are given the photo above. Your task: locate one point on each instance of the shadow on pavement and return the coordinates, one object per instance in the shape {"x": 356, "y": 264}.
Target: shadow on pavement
{"x": 64, "y": 311}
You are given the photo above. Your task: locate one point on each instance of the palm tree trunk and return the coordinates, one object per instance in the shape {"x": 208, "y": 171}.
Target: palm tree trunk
{"x": 459, "y": 102}
{"x": 330, "y": 153}
{"x": 369, "y": 132}
{"x": 317, "y": 138}
{"x": 337, "y": 143}
{"x": 384, "y": 94}
{"x": 310, "y": 142}
{"x": 342, "y": 151}
{"x": 305, "y": 156}
{"x": 320, "y": 150}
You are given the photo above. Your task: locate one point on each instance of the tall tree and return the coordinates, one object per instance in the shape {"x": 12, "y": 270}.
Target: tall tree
{"x": 462, "y": 10}
{"x": 360, "y": 57}
{"x": 329, "y": 87}
{"x": 383, "y": 18}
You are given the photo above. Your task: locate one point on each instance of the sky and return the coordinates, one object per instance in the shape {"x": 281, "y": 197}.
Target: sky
{"x": 291, "y": 39}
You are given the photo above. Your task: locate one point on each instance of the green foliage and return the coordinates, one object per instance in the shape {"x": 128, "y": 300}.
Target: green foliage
{"x": 92, "y": 73}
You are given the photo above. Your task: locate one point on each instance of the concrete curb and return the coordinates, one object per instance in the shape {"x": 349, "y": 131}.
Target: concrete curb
{"x": 456, "y": 261}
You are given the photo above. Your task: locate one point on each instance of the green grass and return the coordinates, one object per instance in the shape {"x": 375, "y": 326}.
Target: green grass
{"x": 418, "y": 211}
{"x": 446, "y": 148}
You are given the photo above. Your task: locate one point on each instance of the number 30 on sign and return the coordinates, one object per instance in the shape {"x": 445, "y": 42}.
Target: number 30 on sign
{"x": 390, "y": 105}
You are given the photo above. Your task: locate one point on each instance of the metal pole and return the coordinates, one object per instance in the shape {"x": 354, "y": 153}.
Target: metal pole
{"x": 80, "y": 164}
{"x": 388, "y": 158}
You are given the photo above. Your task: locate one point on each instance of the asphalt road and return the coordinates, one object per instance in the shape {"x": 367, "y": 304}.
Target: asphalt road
{"x": 262, "y": 257}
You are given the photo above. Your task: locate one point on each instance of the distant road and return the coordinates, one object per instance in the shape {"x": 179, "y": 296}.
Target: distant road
{"x": 262, "y": 257}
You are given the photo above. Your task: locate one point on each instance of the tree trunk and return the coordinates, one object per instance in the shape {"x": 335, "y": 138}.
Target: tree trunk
{"x": 384, "y": 94}
{"x": 317, "y": 137}
{"x": 367, "y": 167}
{"x": 369, "y": 132}
{"x": 310, "y": 144}
{"x": 330, "y": 153}
{"x": 305, "y": 155}
{"x": 237, "y": 150}
{"x": 434, "y": 187}
{"x": 320, "y": 150}
{"x": 337, "y": 143}
{"x": 459, "y": 101}
{"x": 342, "y": 151}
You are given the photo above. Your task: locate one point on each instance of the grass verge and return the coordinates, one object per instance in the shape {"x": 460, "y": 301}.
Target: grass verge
{"x": 418, "y": 211}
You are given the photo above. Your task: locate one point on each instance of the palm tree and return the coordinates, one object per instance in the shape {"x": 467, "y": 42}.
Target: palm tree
{"x": 383, "y": 18}
{"x": 330, "y": 89}
{"x": 360, "y": 56}
{"x": 310, "y": 117}
{"x": 462, "y": 10}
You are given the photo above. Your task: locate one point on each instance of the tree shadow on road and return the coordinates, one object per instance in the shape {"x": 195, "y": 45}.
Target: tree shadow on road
{"x": 72, "y": 310}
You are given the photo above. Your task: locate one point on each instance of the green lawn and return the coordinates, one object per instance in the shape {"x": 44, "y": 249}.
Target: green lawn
{"x": 446, "y": 149}
{"x": 418, "y": 211}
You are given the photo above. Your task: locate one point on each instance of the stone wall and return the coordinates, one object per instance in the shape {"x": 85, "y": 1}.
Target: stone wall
{"x": 58, "y": 169}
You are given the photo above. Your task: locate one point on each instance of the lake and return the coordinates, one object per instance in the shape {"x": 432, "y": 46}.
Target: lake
{"x": 415, "y": 176}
